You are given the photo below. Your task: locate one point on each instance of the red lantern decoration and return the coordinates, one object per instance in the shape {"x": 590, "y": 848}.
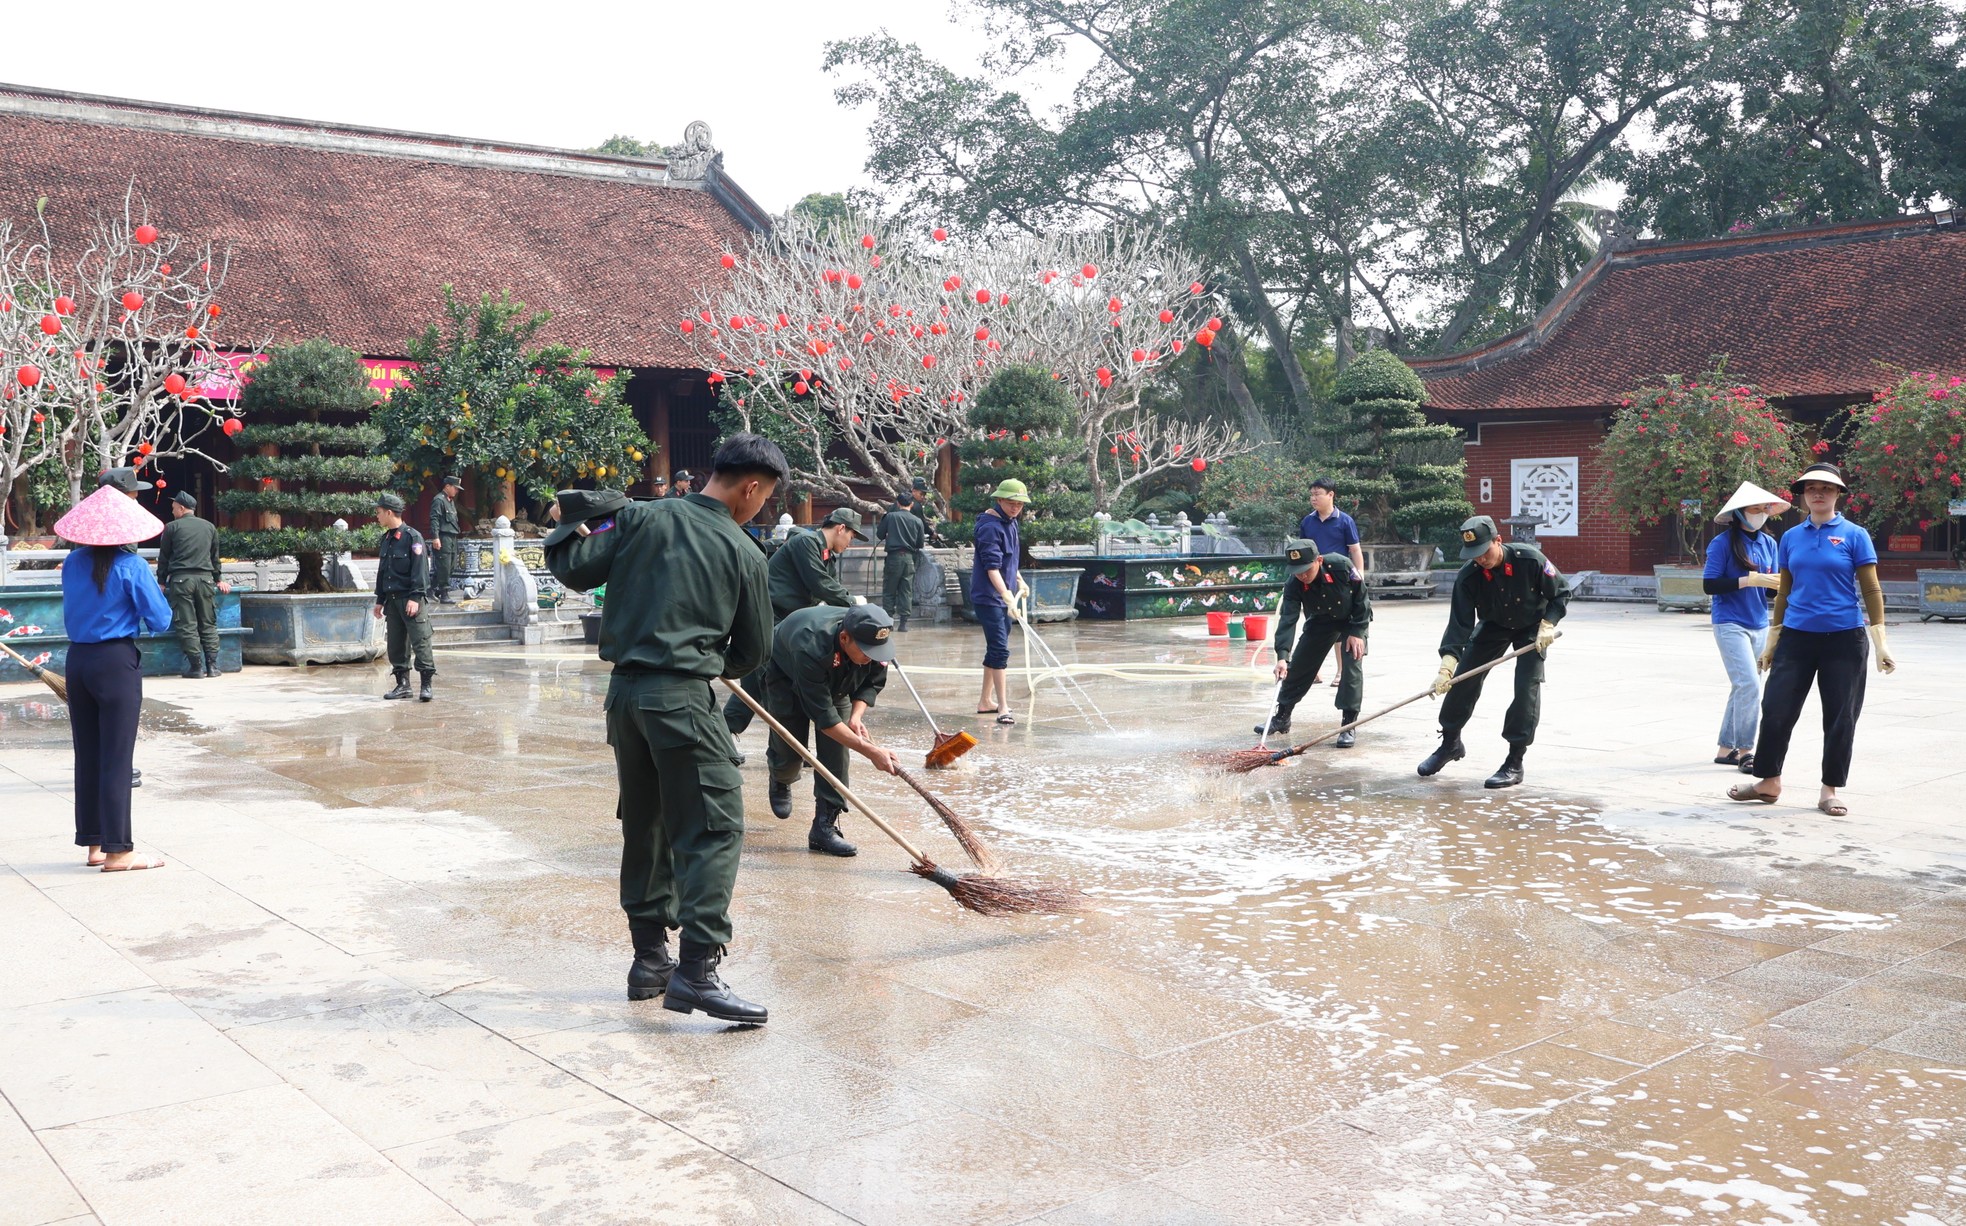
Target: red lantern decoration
{"x": 801, "y": 388}
{"x": 928, "y": 361}
{"x": 145, "y": 235}
{"x": 1089, "y": 271}
{"x": 1214, "y": 324}
{"x": 165, "y": 269}
{"x": 232, "y": 426}
{"x": 729, "y": 261}
{"x": 784, "y": 320}
{"x": 161, "y": 483}
{"x": 1167, "y": 317}
{"x": 50, "y": 324}
{"x": 29, "y": 374}
{"x": 64, "y": 305}
{"x": 982, "y": 334}
{"x": 1204, "y": 338}
{"x": 853, "y": 281}
{"x": 1115, "y": 305}
{"x": 867, "y": 241}
{"x": 716, "y": 376}
{"x": 213, "y": 311}
{"x": 1199, "y": 465}
{"x": 174, "y": 384}
{"x": 133, "y": 301}
{"x": 736, "y": 323}
{"x": 688, "y": 326}
{"x": 939, "y": 234}
{"x": 983, "y": 297}
{"x": 1139, "y": 355}
{"x": 1197, "y": 289}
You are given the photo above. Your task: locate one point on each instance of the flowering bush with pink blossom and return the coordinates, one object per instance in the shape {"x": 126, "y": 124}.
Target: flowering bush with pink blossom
{"x": 1694, "y": 438}
{"x": 1901, "y": 452}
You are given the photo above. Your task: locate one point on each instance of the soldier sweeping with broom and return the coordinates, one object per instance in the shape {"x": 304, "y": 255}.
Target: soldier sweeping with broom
{"x": 1328, "y": 593}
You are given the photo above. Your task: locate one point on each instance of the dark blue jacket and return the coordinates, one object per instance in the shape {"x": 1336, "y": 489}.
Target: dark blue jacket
{"x": 997, "y": 548}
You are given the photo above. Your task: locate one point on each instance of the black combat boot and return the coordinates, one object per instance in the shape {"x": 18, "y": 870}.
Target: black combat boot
{"x": 1451, "y": 750}
{"x": 649, "y": 974}
{"x": 901, "y": 624}
{"x": 425, "y": 693}
{"x": 402, "y": 689}
{"x": 211, "y": 664}
{"x": 1347, "y": 738}
{"x": 781, "y": 799}
{"x": 1278, "y": 725}
{"x": 825, "y": 834}
{"x": 1510, "y": 772}
{"x": 696, "y": 985}
{"x": 194, "y": 668}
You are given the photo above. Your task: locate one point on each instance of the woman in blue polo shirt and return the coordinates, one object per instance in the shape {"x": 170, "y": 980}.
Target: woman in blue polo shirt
{"x": 1740, "y": 575}
{"x": 1828, "y": 587}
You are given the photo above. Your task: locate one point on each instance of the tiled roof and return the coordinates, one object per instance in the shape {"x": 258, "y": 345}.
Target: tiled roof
{"x": 1798, "y": 313}
{"x": 349, "y": 233}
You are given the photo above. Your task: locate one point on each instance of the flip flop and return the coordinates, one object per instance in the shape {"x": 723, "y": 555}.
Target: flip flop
{"x": 1833, "y": 806}
{"x": 132, "y": 866}
{"x": 96, "y": 861}
{"x": 988, "y": 710}
{"x": 1006, "y": 718}
{"x": 1731, "y": 758}
{"x": 1747, "y": 791}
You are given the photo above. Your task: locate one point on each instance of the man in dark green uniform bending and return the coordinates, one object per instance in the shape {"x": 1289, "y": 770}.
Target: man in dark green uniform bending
{"x": 1506, "y": 596}
{"x": 686, "y": 605}
{"x": 904, "y": 533}
{"x": 804, "y": 571}
{"x": 827, "y": 667}
{"x": 1328, "y": 593}
{"x": 402, "y": 587}
{"x": 444, "y": 531}
{"x": 188, "y": 571}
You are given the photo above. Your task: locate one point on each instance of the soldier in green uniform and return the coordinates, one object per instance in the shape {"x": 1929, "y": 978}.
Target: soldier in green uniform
{"x": 904, "y": 533}
{"x": 687, "y": 604}
{"x": 1328, "y": 593}
{"x": 804, "y": 571}
{"x": 188, "y": 571}
{"x": 827, "y": 667}
{"x": 444, "y": 532}
{"x": 684, "y": 484}
{"x": 1506, "y": 596}
{"x": 402, "y": 586}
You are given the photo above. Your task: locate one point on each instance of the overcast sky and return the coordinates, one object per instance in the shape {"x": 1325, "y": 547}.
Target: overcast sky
{"x": 750, "y": 68}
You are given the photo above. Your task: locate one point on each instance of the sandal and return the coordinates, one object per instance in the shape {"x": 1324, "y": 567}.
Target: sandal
{"x": 1731, "y": 758}
{"x": 96, "y": 861}
{"x": 132, "y": 866}
{"x": 1747, "y": 764}
{"x": 1833, "y": 806}
{"x": 1748, "y": 791}
{"x": 1006, "y": 718}
{"x": 988, "y": 710}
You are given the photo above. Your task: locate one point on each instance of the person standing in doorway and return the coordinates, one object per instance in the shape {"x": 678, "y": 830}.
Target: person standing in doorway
{"x": 1827, "y": 586}
{"x": 1332, "y": 531}
{"x": 687, "y": 604}
{"x": 1740, "y": 577}
{"x": 402, "y": 590}
{"x": 904, "y": 534}
{"x": 188, "y": 570}
{"x": 108, "y": 596}
{"x": 994, "y": 588}
{"x": 444, "y": 531}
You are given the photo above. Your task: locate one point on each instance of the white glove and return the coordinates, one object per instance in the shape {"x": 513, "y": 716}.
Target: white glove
{"x": 1761, "y": 579}
{"x": 1445, "y": 677}
{"x": 1885, "y": 664}
{"x": 1545, "y": 635}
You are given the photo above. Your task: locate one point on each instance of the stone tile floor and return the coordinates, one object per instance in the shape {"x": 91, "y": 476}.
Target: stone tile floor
{"x": 380, "y": 980}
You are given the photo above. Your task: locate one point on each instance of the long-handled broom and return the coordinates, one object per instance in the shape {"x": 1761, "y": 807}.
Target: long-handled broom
{"x": 948, "y": 745}
{"x": 52, "y": 680}
{"x": 983, "y": 895}
{"x": 1242, "y": 761}
{"x": 972, "y": 843}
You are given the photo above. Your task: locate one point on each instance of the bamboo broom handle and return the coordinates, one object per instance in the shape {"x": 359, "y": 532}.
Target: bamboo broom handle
{"x": 1428, "y": 692}
{"x": 34, "y": 669}
{"x": 798, "y": 747}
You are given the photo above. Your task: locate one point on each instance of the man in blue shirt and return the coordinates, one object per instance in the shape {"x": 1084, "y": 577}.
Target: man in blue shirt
{"x": 1334, "y": 532}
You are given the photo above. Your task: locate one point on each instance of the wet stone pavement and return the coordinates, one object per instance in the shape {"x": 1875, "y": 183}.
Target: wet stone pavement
{"x": 381, "y": 979}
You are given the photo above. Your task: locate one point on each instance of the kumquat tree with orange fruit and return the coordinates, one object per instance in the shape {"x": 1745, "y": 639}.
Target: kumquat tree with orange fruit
{"x": 484, "y": 403}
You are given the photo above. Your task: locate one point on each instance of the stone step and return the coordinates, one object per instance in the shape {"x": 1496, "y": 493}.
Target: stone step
{"x": 464, "y": 617}
{"x": 459, "y": 636}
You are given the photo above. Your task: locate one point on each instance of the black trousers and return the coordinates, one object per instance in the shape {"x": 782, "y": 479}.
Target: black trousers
{"x": 105, "y": 692}
{"x": 1832, "y": 661}
{"x": 1492, "y": 642}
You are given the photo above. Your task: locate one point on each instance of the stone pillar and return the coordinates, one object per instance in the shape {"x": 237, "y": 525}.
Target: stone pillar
{"x": 515, "y": 594}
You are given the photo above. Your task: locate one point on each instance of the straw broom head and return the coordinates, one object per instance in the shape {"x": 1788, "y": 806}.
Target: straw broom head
{"x": 1003, "y": 895}
{"x": 52, "y": 680}
{"x": 965, "y": 834}
{"x": 1241, "y": 761}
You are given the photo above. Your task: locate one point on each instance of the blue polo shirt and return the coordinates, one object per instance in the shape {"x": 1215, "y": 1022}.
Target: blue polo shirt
{"x": 129, "y": 599}
{"x": 1741, "y": 606}
{"x": 1335, "y": 535}
{"x": 1822, "y": 562}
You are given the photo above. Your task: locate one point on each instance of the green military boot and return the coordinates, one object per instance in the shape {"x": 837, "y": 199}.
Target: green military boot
{"x": 211, "y": 664}
{"x": 425, "y": 694}
{"x": 194, "y": 667}
{"x": 649, "y": 974}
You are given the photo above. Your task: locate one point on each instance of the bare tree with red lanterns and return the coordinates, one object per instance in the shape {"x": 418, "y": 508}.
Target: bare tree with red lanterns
{"x": 858, "y": 352}
{"x": 104, "y": 346}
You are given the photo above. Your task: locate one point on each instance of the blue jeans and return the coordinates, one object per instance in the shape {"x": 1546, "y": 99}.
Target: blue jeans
{"x": 995, "y": 620}
{"x": 1739, "y": 649}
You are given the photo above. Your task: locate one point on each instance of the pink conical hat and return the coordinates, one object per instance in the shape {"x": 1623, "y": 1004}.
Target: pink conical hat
{"x": 107, "y": 517}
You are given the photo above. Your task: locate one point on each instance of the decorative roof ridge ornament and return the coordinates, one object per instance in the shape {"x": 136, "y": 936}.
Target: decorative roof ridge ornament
{"x": 697, "y": 156}
{"x": 1612, "y": 237}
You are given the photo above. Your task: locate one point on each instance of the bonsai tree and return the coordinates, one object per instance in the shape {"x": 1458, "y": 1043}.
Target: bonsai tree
{"x": 319, "y": 458}
{"x": 1901, "y": 452}
{"x": 1688, "y": 441}
{"x": 1402, "y": 477}
{"x": 482, "y": 403}
{"x": 1026, "y": 420}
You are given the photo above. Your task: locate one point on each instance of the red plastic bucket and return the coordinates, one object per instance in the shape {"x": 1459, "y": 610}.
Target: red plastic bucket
{"x": 1218, "y": 623}
{"x": 1257, "y": 627}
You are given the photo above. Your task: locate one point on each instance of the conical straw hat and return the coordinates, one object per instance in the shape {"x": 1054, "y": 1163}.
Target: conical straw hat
{"x": 1752, "y": 495}
{"x": 107, "y": 517}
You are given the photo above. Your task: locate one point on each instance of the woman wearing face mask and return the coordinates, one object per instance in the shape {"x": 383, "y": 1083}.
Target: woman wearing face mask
{"x": 1740, "y": 575}
{"x": 1828, "y": 587}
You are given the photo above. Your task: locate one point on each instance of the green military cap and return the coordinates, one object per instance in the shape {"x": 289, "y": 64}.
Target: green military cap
{"x": 920, "y": 483}
{"x": 577, "y": 507}
{"x": 1476, "y": 536}
{"x": 393, "y": 502}
{"x": 873, "y": 629}
{"x": 848, "y": 517}
{"x": 452, "y": 479}
{"x": 186, "y": 499}
{"x": 1300, "y": 554}
{"x": 124, "y": 479}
